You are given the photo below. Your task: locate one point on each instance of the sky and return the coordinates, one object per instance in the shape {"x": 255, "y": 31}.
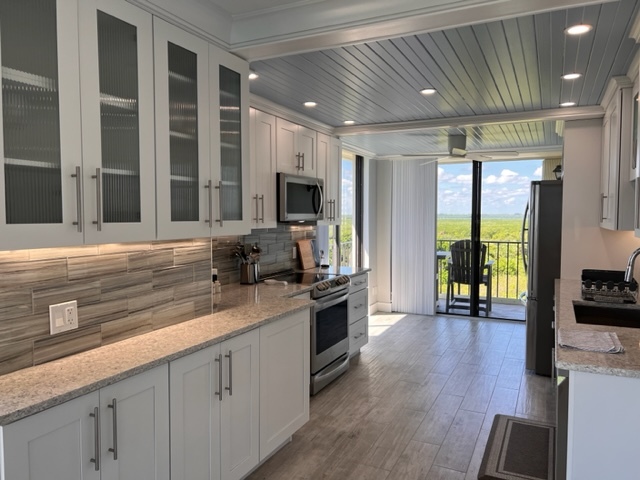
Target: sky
{"x": 505, "y": 187}
{"x": 347, "y": 187}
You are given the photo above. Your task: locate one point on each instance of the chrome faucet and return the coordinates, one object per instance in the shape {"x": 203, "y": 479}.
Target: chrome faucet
{"x": 628, "y": 273}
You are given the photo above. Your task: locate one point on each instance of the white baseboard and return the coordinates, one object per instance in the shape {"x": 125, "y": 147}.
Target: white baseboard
{"x": 380, "y": 307}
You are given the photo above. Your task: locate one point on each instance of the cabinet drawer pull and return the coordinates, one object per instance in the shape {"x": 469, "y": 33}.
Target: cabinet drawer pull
{"x": 114, "y": 407}
{"x": 358, "y": 336}
{"x": 602, "y": 197}
{"x": 220, "y": 209}
{"x": 98, "y": 177}
{"x": 358, "y": 306}
{"x": 210, "y": 193}
{"x": 96, "y": 438}
{"x": 78, "y": 199}
{"x": 230, "y": 387}
{"x": 219, "y": 392}
{"x": 359, "y": 283}
{"x": 262, "y": 200}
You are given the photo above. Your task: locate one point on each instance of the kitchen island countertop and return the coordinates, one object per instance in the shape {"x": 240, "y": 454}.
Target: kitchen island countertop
{"x": 625, "y": 364}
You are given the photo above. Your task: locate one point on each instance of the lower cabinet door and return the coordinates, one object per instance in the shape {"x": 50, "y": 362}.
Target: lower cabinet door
{"x": 135, "y": 427}
{"x": 239, "y": 420}
{"x": 284, "y": 379}
{"x": 57, "y": 444}
{"x": 194, "y": 383}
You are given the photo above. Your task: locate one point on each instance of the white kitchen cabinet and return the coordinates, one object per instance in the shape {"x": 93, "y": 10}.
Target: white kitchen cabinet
{"x": 57, "y": 444}
{"x": 329, "y": 158}
{"x": 116, "y": 73}
{"x": 295, "y": 148}
{"x": 358, "y": 313}
{"x": 284, "y": 380}
{"x": 119, "y": 432}
{"x": 214, "y": 410}
{"x": 183, "y": 163}
{"x": 229, "y": 140}
{"x": 39, "y": 132}
{"x": 263, "y": 170}
{"x": 617, "y": 191}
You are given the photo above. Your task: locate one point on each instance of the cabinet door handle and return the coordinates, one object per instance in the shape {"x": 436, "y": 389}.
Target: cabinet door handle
{"x": 262, "y": 200}
{"x": 78, "y": 178}
{"x": 602, "y": 197}
{"x": 302, "y": 161}
{"x": 96, "y": 438}
{"x": 220, "y": 209}
{"x": 98, "y": 177}
{"x": 257, "y": 219}
{"x": 333, "y": 214}
{"x": 230, "y": 387}
{"x": 210, "y": 191}
{"x": 298, "y": 161}
{"x": 114, "y": 407}
{"x": 219, "y": 392}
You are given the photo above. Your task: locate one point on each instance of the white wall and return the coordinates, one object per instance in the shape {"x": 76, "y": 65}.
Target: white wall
{"x": 584, "y": 243}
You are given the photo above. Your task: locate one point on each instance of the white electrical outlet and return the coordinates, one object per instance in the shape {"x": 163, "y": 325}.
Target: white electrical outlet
{"x": 295, "y": 253}
{"x": 63, "y": 317}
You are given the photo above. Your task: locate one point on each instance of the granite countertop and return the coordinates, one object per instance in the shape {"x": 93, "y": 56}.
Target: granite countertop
{"x": 625, "y": 364}
{"x": 239, "y": 308}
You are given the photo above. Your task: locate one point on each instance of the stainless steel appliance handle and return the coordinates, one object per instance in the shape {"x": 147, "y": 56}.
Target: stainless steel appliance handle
{"x": 96, "y": 438}
{"x": 219, "y": 392}
{"x": 522, "y": 237}
{"x": 321, "y": 202}
{"x": 98, "y": 177}
{"x": 78, "y": 222}
{"x": 257, "y": 219}
{"x": 230, "y": 387}
{"x": 210, "y": 220}
{"x": 262, "y": 200}
{"x": 114, "y": 407}
{"x": 220, "y": 209}
{"x": 331, "y": 300}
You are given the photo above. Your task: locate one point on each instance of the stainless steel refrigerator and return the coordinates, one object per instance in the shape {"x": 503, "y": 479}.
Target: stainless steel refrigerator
{"x": 545, "y": 240}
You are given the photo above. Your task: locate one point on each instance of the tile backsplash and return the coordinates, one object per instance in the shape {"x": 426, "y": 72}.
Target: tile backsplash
{"x": 122, "y": 290}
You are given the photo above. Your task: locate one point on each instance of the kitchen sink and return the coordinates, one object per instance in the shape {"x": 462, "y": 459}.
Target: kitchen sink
{"x": 607, "y": 314}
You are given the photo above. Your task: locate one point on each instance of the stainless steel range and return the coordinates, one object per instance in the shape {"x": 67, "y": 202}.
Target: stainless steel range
{"x": 329, "y": 324}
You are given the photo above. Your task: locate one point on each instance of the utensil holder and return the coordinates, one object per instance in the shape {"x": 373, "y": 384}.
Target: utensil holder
{"x": 248, "y": 273}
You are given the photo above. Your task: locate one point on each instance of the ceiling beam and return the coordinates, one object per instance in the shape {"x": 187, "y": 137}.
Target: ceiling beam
{"x": 571, "y": 113}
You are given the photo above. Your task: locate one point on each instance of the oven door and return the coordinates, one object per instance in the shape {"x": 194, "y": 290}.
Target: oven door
{"x": 329, "y": 330}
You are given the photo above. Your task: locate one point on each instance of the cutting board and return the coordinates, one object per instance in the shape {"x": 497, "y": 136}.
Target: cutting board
{"x": 305, "y": 253}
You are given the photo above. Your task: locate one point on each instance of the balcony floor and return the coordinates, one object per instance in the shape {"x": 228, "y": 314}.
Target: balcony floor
{"x": 504, "y": 311}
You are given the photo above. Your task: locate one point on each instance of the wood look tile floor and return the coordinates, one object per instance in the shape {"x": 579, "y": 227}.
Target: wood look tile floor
{"x": 416, "y": 404}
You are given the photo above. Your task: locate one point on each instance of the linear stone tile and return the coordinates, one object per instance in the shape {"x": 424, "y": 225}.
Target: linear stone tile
{"x": 128, "y": 327}
{"x": 457, "y": 449}
{"x": 102, "y": 312}
{"x": 189, "y": 255}
{"x": 84, "y": 292}
{"x": 16, "y": 356}
{"x": 173, "y": 276}
{"x": 150, "y": 260}
{"x": 202, "y": 271}
{"x": 163, "y": 317}
{"x": 436, "y": 423}
{"x": 152, "y": 300}
{"x": 14, "y": 330}
{"x": 129, "y": 285}
{"x": 170, "y": 244}
{"x": 15, "y": 303}
{"x": 123, "y": 247}
{"x": 440, "y": 473}
{"x": 10, "y": 256}
{"x": 192, "y": 291}
{"x": 64, "y": 344}
{"x": 479, "y": 394}
{"x": 97, "y": 266}
{"x": 202, "y": 241}
{"x": 63, "y": 252}
{"x": 32, "y": 273}
{"x": 415, "y": 462}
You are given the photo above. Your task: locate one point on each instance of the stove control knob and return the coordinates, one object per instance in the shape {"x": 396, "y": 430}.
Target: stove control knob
{"x": 343, "y": 280}
{"x": 322, "y": 286}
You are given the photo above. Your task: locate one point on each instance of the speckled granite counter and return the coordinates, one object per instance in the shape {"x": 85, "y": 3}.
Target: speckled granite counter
{"x": 237, "y": 310}
{"x": 625, "y": 364}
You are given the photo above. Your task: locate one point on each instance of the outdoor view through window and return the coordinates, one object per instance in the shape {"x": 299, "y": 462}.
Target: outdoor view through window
{"x": 505, "y": 193}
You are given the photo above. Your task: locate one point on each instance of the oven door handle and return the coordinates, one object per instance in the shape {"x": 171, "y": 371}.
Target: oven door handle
{"x": 331, "y": 300}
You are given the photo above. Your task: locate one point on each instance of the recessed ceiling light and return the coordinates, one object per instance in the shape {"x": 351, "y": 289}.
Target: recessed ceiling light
{"x": 310, "y": 104}
{"x": 578, "y": 29}
{"x": 428, "y": 91}
{"x": 349, "y": 122}
{"x": 571, "y": 76}
{"x": 568, "y": 104}
{"x": 253, "y": 75}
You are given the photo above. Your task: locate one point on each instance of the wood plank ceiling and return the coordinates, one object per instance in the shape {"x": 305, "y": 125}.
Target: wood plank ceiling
{"x": 504, "y": 66}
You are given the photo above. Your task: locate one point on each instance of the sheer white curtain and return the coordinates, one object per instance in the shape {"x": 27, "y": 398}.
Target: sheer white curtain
{"x": 413, "y": 237}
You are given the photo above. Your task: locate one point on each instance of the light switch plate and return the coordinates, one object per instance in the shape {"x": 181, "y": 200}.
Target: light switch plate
{"x": 63, "y": 317}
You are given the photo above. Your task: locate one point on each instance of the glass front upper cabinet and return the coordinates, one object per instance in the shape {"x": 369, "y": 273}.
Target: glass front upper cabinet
{"x": 116, "y": 57}
{"x": 182, "y": 133}
{"x": 230, "y": 112}
{"x": 41, "y": 149}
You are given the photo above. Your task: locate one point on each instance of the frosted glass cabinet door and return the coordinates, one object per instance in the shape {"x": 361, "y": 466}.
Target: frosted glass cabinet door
{"x": 182, "y": 133}
{"x": 39, "y": 140}
{"x": 229, "y": 83}
{"x": 116, "y": 57}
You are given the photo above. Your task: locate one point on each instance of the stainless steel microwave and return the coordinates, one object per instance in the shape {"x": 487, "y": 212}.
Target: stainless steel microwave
{"x": 300, "y": 199}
